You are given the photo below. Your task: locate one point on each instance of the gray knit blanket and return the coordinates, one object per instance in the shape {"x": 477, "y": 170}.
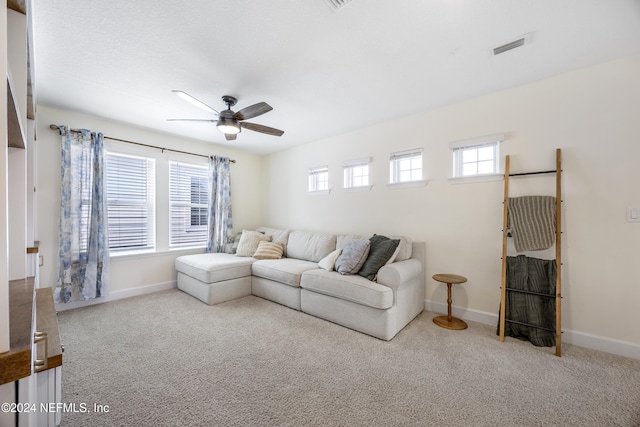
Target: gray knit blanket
{"x": 532, "y": 222}
{"x": 534, "y": 275}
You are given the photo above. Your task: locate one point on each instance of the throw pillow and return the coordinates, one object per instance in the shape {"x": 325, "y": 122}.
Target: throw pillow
{"x": 249, "y": 242}
{"x": 394, "y": 256}
{"x": 382, "y": 248}
{"x": 269, "y": 250}
{"x": 328, "y": 263}
{"x": 236, "y": 242}
{"x": 354, "y": 254}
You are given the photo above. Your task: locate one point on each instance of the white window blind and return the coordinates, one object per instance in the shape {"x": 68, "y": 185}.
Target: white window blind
{"x": 405, "y": 166}
{"x": 131, "y": 202}
{"x": 188, "y": 204}
{"x": 86, "y": 186}
{"x": 319, "y": 178}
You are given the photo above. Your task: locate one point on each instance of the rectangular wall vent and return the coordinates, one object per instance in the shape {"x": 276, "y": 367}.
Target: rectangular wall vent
{"x": 512, "y": 45}
{"x": 338, "y": 4}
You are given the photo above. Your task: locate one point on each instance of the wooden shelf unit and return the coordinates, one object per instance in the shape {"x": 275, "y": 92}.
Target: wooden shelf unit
{"x": 16, "y": 363}
{"x": 47, "y": 321}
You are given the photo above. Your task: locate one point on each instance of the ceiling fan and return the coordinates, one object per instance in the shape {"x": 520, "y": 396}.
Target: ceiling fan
{"x": 230, "y": 123}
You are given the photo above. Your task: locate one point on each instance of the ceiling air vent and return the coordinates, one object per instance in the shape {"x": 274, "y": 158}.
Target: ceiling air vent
{"x": 338, "y": 4}
{"x": 512, "y": 45}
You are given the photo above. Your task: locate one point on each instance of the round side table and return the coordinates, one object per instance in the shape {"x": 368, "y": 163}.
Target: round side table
{"x": 449, "y": 321}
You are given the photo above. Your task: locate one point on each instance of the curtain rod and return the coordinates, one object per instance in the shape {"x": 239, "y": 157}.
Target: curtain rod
{"x": 56, "y": 127}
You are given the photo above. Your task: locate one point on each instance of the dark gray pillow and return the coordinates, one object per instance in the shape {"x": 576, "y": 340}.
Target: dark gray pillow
{"x": 354, "y": 254}
{"x": 380, "y": 251}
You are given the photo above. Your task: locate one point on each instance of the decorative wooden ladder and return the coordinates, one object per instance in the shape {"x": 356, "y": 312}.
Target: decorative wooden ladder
{"x": 558, "y": 294}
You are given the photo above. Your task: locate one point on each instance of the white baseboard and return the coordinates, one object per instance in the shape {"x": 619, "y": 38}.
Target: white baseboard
{"x": 116, "y": 295}
{"x": 594, "y": 342}
{"x": 608, "y": 345}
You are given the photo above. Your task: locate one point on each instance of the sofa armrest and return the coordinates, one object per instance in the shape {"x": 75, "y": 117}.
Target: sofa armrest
{"x": 394, "y": 274}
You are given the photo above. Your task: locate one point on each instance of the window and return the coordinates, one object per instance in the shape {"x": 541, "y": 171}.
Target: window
{"x": 477, "y": 156}
{"x": 188, "y": 204}
{"x": 86, "y": 186}
{"x": 356, "y": 173}
{"x": 319, "y": 179}
{"x": 130, "y": 202}
{"x": 405, "y": 166}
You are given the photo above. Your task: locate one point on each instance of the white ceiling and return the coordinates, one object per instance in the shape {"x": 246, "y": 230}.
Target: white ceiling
{"x": 324, "y": 72}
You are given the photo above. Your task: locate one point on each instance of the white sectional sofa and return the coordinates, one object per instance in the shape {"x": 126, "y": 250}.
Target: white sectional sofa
{"x": 303, "y": 279}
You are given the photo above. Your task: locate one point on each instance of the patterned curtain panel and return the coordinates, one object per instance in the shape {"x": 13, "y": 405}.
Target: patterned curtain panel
{"x": 220, "y": 224}
{"x": 83, "y": 251}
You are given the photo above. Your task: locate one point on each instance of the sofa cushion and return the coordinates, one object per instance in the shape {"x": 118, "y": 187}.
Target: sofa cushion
{"x": 353, "y": 256}
{"x": 277, "y": 236}
{"x": 381, "y": 250}
{"x": 352, "y": 288}
{"x": 310, "y": 246}
{"x": 212, "y": 268}
{"x": 286, "y": 270}
{"x": 249, "y": 242}
{"x": 268, "y": 250}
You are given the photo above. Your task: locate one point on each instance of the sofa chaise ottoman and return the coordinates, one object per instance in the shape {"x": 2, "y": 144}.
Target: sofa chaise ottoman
{"x": 214, "y": 278}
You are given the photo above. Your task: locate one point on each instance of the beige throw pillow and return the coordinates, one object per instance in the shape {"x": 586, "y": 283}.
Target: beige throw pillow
{"x": 269, "y": 250}
{"x": 328, "y": 263}
{"x": 249, "y": 242}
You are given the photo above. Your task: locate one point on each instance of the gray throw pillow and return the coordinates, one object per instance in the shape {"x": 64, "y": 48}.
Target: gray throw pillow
{"x": 236, "y": 242}
{"x": 354, "y": 254}
{"x": 380, "y": 251}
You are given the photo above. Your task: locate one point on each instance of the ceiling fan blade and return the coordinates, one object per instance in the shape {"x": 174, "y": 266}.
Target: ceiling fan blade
{"x": 230, "y": 136}
{"x": 252, "y": 111}
{"x": 194, "y": 101}
{"x": 191, "y": 120}
{"x": 261, "y": 128}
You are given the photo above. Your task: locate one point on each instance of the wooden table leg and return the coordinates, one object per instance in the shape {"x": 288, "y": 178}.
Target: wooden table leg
{"x": 449, "y": 301}
{"x": 448, "y": 321}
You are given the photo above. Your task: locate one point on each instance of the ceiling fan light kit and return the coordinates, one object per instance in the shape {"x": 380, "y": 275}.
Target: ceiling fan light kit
{"x": 231, "y": 123}
{"x": 228, "y": 125}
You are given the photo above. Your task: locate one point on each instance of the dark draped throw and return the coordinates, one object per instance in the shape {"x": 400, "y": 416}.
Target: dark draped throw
{"x": 536, "y": 278}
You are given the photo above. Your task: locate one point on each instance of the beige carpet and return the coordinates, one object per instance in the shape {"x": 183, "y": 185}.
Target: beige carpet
{"x": 167, "y": 359}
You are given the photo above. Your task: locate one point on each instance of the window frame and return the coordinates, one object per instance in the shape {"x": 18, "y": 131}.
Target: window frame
{"x": 85, "y": 207}
{"x": 458, "y": 149}
{"x": 317, "y": 176}
{"x": 179, "y": 238}
{"x": 149, "y": 204}
{"x": 350, "y": 167}
{"x": 397, "y": 159}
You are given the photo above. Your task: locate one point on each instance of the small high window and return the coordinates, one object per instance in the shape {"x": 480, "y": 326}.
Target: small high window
{"x": 477, "y": 156}
{"x": 319, "y": 179}
{"x": 405, "y": 166}
{"x": 356, "y": 173}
